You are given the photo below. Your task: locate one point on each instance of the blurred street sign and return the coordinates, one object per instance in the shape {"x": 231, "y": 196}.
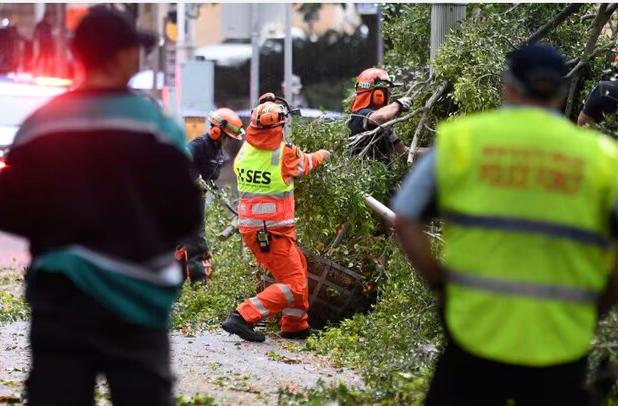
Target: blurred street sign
{"x": 367, "y": 8}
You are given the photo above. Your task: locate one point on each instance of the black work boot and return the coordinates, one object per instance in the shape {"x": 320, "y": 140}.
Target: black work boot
{"x": 298, "y": 335}
{"x": 235, "y": 324}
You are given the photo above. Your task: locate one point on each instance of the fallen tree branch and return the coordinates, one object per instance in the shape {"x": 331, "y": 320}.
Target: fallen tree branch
{"x": 421, "y": 124}
{"x": 387, "y": 215}
{"x": 606, "y": 346}
{"x": 380, "y": 209}
{"x": 603, "y": 15}
{"x": 546, "y": 28}
{"x": 355, "y": 139}
{"x": 508, "y": 41}
{"x": 419, "y": 85}
{"x": 586, "y": 17}
{"x": 511, "y": 9}
{"x": 600, "y": 51}
{"x": 229, "y": 231}
{"x": 341, "y": 232}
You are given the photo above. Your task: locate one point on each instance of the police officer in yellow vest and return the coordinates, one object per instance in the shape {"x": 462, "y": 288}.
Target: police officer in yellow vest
{"x": 529, "y": 204}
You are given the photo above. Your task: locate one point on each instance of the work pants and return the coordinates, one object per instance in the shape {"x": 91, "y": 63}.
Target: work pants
{"x": 290, "y": 294}
{"x": 463, "y": 379}
{"x": 73, "y": 338}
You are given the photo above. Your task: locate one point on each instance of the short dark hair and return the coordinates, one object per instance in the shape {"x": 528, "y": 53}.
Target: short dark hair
{"x": 537, "y": 71}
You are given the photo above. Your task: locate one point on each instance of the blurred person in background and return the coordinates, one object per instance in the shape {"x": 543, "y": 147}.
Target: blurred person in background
{"x": 298, "y": 100}
{"x": 99, "y": 181}
{"x": 44, "y": 46}
{"x": 207, "y": 151}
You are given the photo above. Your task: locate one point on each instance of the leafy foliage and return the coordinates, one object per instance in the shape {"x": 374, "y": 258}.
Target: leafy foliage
{"x": 195, "y": 400}
{"x": 202, "y": 306}
{"x": 332, "y": 196}
{"x": 394, "y": 345}
{"x": 406, "y": 35}
{"x": 472, "y": 58}
{"x": 13, "y": 308}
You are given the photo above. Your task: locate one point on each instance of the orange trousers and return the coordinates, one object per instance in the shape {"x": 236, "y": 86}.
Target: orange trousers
{"x": 290, "y": 294}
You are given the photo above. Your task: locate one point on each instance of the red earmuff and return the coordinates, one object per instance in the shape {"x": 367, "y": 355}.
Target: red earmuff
{"x": 270, "y": 118}
{"x": 215, "y": 132}
{"x": 378, "y": 98}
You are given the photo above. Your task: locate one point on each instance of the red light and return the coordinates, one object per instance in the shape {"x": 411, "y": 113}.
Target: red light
{"x": 2, "y": 164}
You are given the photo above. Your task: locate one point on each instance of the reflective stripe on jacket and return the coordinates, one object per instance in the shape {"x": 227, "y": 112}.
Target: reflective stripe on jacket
{"x": 526, "y": 197}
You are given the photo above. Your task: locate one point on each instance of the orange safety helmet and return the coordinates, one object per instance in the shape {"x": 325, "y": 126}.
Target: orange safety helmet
{"x": 371, "y": 88}
{"x": 226, "y": 121}
{"x": 268, "y": 115}
{"x": 267, "y": 97}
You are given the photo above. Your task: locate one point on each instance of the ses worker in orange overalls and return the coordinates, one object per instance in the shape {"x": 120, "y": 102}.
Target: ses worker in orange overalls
{"x": 265, "y": 169}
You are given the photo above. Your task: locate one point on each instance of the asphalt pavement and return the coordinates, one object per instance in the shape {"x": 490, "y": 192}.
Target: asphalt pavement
{"x": 13, "y": 251}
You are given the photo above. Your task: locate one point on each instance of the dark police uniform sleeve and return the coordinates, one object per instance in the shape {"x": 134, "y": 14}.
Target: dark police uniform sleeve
{"x": 359, "y": 122}
{"x": 601, "y": 100}
{"x": 207, "y": 157}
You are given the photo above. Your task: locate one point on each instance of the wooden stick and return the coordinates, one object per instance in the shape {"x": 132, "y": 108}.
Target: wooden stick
{"x": 341, "y": 232}
{"x": 421, "y": 124}
{"x": 356, "y": 138}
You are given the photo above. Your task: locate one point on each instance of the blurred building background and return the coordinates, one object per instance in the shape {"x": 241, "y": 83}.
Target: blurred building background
{"x": 331, "y": 44}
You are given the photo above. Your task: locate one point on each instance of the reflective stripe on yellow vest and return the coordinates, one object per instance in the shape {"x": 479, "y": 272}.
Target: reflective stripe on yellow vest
{"x": 265, "y": 197}
{"x": 526, "y": 198}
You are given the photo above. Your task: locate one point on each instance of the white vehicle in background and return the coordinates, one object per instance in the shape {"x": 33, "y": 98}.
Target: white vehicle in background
{"x": 20, "y": 96}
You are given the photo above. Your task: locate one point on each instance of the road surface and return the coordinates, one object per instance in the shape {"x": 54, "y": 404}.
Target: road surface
{"x": 13, "y": 251}
{"x": 211, "y": 363}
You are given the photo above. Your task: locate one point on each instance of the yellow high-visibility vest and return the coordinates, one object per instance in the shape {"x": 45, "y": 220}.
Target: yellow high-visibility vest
{"x": 265, "y": 197}
{"x": 526, "y": 197}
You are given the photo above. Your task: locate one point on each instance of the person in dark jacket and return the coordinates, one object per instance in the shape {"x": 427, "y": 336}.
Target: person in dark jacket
{"x": 208, "y": 158}
{"x": 370, "y": 109}
{"x": 99, "y": 181}
{"x": 602, "y": 99}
